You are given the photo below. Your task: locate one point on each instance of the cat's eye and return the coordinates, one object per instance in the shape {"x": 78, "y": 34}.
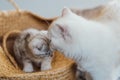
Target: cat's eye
{"x": 42, "y": 48}
{"x": 39, "y": 48}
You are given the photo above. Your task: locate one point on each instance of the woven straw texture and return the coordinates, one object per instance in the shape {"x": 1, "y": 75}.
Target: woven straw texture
{"x": 21, "y": 20}
{"x": 63, "y": 69}
{"x": 11, "y": 23}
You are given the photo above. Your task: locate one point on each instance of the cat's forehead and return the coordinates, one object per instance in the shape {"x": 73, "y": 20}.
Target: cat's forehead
{"x": 67, "y": 19}
{"x": 39, "y": 41}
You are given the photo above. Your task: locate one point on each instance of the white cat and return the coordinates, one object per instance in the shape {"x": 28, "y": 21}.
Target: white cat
{"x": 108, "y": 14}
{"x": 92, "y": 45}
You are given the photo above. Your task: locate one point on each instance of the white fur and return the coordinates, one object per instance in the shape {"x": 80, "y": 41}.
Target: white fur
{"x": 108, "y": 14}
{"x": 92, "y": 45}
{"x": 27, "y": 67}
{"x": 111, "y": 16}
{"x": 46, "y": 63}
{"x": 111, "y": 12}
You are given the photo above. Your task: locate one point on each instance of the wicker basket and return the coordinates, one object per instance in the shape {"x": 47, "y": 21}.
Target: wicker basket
{"x": 62, "y": 68}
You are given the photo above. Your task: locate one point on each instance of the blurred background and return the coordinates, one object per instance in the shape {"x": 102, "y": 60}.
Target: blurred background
{"x": 50, "y": 8}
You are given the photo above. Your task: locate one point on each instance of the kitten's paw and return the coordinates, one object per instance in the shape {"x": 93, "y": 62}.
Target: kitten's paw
{"x": 46, "y": 67}
{"x": 46, "y": 63}
{"x": 28, "y": 69}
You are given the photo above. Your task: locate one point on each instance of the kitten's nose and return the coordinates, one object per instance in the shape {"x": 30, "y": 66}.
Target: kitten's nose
{"x": 49, "y": 53}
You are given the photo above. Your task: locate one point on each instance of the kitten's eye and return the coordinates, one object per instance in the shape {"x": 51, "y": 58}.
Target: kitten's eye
{"x": 39, "y": 48}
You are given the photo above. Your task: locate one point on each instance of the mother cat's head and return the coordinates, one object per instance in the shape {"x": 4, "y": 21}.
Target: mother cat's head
{"x": 64, "y": 31}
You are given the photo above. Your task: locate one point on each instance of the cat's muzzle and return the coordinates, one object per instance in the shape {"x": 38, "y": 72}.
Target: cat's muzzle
{"x": 49, "y": 53}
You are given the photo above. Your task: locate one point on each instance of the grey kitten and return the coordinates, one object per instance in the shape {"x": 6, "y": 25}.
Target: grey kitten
{"x": 32, "y": 47}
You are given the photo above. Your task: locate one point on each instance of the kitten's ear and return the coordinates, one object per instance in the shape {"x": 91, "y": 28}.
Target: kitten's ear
{"x": 27, "y": 36}
{"x": 64, "y": 32}
{"x": 65, "y": 11}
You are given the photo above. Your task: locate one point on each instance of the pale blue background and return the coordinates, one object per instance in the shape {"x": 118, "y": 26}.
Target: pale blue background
{"x": 50, "y": 8}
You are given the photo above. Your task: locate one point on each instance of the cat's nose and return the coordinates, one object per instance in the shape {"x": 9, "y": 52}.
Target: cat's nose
{"x": 49, "y": 53}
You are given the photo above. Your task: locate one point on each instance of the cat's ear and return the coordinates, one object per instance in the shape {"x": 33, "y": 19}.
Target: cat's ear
{"x": 66, "y": 11}
{"x": 64, "y": 32}
{"x": 27, "y": 36}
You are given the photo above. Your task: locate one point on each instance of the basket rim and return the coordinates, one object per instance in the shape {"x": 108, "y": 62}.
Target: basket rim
{"x": 4, "y": 45}
{"x": 7, "y": 12}
{"x": 48, "y": 72}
